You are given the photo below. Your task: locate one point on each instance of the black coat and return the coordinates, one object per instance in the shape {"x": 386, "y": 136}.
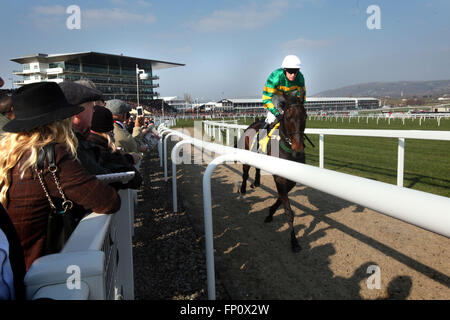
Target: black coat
{"x": 115, "y": 161}
{"x": 16, "y": 255}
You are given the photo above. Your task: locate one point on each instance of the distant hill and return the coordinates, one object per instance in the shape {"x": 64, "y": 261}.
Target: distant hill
{"x": 391, "y": 89}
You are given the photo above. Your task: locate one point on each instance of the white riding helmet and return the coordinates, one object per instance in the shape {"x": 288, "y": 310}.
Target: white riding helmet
{"x": 291, "y": 62}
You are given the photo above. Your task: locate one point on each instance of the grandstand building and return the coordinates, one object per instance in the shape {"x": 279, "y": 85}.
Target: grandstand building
{"x": 312, "y": 104}
{"x": 114, "y": 75}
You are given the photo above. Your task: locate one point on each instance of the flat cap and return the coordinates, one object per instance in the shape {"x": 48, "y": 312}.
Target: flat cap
{"x": 117, "y": 106}
{"x": 77, "y": 94}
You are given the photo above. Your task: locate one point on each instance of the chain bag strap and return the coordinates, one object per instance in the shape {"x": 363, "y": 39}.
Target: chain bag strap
{"x": 59, "y": 223}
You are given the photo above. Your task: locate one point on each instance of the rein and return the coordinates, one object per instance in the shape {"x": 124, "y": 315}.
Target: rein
{"x": 285, "y": 143}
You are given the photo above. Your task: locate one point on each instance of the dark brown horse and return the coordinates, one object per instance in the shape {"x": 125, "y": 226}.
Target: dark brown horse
{"x": 291, "y": 147}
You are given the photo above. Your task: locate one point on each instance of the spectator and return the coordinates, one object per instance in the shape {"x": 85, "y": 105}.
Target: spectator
{"x": 43, "y": 116}
{"x": 130, "y": 123}
{"x": 12, "y": 263}
{"x": 122, "y": 137}
{"x": 6, "y": 111}
{"x": 110, "y": 158}
{"x": 77, "y": 94}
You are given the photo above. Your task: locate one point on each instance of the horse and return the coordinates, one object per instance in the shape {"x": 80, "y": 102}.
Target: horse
{"x": 291, "y": 147}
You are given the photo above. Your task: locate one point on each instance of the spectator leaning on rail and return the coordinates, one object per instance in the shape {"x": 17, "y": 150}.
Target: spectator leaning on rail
{"x": 122, "y": 138}
{"x": 43, "y": 116}
{"x": 78, "y": 94}
{"x": 285, "y": 79}
{"x": 12, "y": 262}
{"x": 116, "y": 161}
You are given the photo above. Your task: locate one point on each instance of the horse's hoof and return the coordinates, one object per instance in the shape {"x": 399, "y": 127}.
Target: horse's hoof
{"x": 253, "y": 186}
{"x": 268, "y": 219}
{"x": 243, "y": 191}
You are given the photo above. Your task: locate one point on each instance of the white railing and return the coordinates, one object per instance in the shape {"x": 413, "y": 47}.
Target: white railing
{"x": 422, "y": 209}
{"x": 213, "y": 129}
{"x": 88, "y": 267}
{"x": 421, "y": 117}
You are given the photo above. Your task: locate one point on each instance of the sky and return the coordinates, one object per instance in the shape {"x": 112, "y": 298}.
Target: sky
{"x": 230, "y": 47}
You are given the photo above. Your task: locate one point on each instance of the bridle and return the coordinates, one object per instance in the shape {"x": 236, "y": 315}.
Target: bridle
{"x": 285, "y": 136}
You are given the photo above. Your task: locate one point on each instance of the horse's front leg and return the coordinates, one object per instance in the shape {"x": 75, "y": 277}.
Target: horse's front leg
{"x": 283, "y": 187}
{"x": 245, "y": 169}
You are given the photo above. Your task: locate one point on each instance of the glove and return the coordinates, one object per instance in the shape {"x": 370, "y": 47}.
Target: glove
{"x": 279, "y": 117}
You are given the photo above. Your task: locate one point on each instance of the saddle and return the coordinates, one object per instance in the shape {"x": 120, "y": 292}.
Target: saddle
{"x": 262, "y": 143}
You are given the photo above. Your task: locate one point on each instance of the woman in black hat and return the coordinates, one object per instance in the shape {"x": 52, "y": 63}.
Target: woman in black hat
{"x": 43, "y": 116}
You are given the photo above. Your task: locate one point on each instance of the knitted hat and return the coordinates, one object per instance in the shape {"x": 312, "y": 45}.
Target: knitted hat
{"x": 102, "y": 120}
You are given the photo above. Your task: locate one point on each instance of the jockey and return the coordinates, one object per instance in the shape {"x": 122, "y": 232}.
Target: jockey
{"x": 285, "y": 79}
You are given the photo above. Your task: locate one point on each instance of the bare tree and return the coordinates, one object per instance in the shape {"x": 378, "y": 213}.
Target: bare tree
{"x": 188, "y": 98}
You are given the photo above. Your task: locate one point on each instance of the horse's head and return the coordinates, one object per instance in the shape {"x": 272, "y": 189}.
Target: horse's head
{"x": 294, "y": 121}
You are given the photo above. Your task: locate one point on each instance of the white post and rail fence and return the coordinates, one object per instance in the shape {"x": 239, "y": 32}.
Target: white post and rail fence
{"x": 425, "y": 210}
{"x": 213, "y": 129}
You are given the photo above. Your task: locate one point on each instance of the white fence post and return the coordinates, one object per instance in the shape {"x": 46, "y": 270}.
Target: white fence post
{"x": 174, "y": 156}
{"x": 400, "y": 161}
{"x": 321, "y": 151}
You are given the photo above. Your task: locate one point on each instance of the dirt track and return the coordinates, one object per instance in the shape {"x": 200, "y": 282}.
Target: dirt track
{"x": 339, "y": 240}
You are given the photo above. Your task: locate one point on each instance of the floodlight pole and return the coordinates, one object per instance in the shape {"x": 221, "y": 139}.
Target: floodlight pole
{"x": 137, "y": 84}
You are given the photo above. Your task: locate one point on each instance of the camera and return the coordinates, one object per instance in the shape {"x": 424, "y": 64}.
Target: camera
{"x": 140, "y": 111}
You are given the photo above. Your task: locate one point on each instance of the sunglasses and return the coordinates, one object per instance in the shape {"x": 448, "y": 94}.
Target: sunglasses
{"x": 291, "y": 71}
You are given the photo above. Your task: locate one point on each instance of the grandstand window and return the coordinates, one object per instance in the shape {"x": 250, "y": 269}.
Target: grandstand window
{"x": 94, "y": 69}
{"x": 114, "y": 70}
{"x": 56, "y": 65}
{"x": 72, "y": 67}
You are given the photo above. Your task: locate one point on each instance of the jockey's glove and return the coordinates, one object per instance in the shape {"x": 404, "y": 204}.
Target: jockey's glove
{"x": 279, "y": 117}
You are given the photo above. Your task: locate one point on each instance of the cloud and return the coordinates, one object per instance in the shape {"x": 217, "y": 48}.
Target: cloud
{"x": 55, "y": 15}
{"x": 119, "y": 2}
{"x": 245, "y": 17}
{"x": 116, "y": 15}
{"x": 49, "y": 10}
{"x": 303, "y": 44}
{"x": 144, "y": 3}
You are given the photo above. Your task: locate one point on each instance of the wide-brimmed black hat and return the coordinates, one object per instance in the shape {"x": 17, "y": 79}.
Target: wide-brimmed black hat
{"x": 39, "y": 104}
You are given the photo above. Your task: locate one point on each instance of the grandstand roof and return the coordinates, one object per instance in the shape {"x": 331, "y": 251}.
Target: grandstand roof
{"x": 95, "y": 58}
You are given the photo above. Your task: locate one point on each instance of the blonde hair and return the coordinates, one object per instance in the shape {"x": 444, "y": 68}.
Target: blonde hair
{"x": 13, "y": 146}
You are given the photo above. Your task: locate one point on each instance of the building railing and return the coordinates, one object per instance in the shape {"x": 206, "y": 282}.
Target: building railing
{"x": 400, "y": 203}
{"x": 89, "y": 267}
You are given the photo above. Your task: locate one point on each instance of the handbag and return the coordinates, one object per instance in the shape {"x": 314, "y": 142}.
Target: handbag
{"x": 61, "y": 222}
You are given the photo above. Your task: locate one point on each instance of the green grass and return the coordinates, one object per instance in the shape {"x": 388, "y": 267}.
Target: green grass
{"x": 427, "y": 162}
